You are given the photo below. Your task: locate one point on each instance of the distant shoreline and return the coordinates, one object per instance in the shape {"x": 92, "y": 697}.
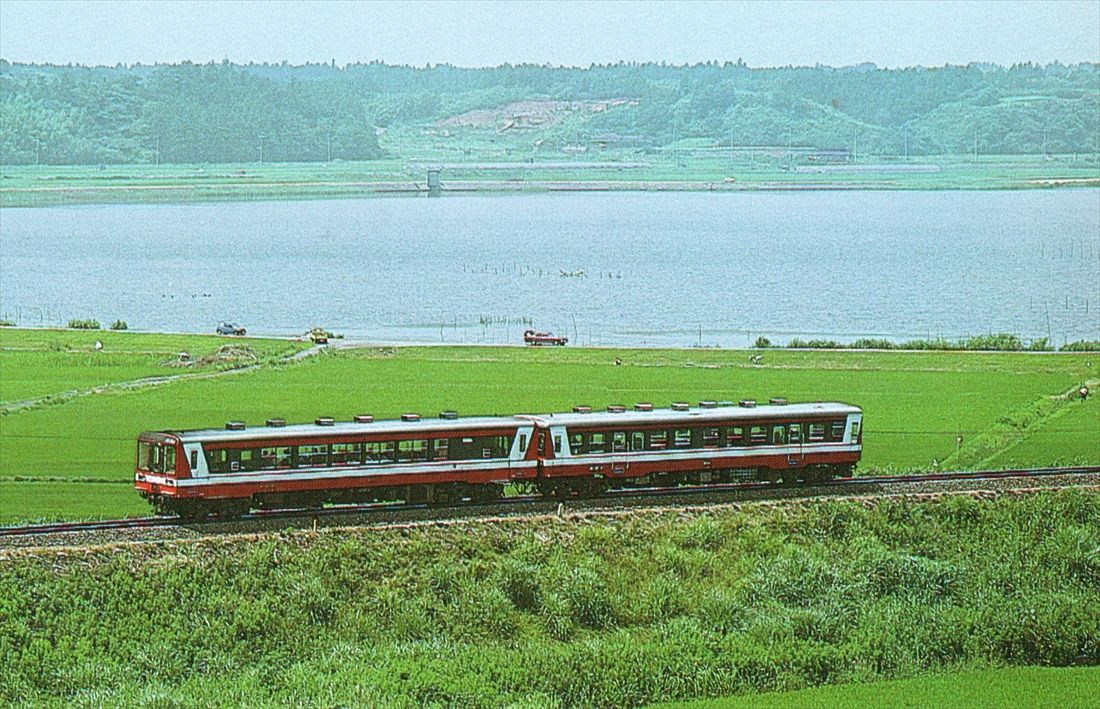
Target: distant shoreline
{"x": 51, "y": 186}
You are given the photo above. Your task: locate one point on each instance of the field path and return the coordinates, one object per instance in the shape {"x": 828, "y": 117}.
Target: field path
{"x": 56, "y": 398}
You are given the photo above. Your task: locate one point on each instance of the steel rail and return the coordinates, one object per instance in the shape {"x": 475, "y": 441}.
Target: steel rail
{"x": 519, "y": 500}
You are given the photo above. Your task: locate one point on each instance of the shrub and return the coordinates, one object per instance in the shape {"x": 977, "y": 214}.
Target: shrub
{"x": 871, "y": 343}
{"x": 796, "y": 343}
{"x": 1081, "y": 346}
{"x": 7, "y": 323}
{"x": 762, "y": 343}
{"x": 84, "y": 325}
{"x": 119, "y": 325}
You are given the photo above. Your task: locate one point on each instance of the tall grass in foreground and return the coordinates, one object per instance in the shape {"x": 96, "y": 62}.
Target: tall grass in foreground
{"x": 551, "y": 612}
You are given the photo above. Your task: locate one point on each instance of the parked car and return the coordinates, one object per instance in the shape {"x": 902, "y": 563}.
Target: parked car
{"x": 229, "y": 328}
{"x": 539, "y": 339}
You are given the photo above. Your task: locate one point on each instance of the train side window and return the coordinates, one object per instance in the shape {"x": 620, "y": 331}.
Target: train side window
{"x": 440, "y": 448}
{"x": 837, "y": 431}
{"x": 816, "y": 432}
{"x": 710, "y": 437}
{"x": 596, "y": 442}
{"x": 855, "y": 431}
{"x": 779, "y": 435}
{"x": 267, "y": 459}
{"x": 557, "y": 443}
{"x": 312, "y": 456}
{"x": 637, "y": 441}
{"x": 618, "y": 441}
{"x": 216, "y": 461}
{"x": 282, "y": 457}
{"x": 247, "y": 459}
{"x": 194, "y": 459}
{"x": 345, "y": 454}
{"x": 681, "y": 438}
{"x": 795, "y": 431}
{"x": 412, "y": 451}
{"x": 758, "y": 435}
{"x": 523, "y": 444}
{"x": 658, "y": 440}
{"x": 577, "y": 443}
{"x": 735, "y": 436}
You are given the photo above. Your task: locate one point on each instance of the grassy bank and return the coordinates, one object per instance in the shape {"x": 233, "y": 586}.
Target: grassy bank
{"x": 916, "y": 404}
{"x": 37, "y": 186}
{"x": 610, "y": 611}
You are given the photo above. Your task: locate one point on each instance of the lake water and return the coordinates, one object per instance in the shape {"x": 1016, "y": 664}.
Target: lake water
{"x": 659, "y": 269}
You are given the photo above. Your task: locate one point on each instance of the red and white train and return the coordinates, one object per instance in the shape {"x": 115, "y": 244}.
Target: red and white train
{"x": 451, "y": 459}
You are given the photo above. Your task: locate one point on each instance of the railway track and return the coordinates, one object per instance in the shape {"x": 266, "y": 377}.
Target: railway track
{"x": 525, "y": 503}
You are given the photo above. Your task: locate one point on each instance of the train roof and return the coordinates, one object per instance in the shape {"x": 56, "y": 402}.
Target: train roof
{"x": 694, "y": 414}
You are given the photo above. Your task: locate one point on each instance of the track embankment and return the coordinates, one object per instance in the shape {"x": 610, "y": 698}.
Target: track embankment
{"x": 690, "y": 500}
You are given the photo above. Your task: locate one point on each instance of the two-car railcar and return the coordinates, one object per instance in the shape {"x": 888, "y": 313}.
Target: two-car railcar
{"x": 451, "y": 459}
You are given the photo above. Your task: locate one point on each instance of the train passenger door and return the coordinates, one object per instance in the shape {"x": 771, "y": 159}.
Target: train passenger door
{"x": 795, "y": 437}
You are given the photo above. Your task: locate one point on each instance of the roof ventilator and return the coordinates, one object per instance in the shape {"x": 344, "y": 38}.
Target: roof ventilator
{"x": 582, "y": 409}
{"x": 680, "y": 406}
{"x": 644, "y": 406}
{"x": 746, "y": 403}
{"x": 449, "y": 415}
{"x": 364, "y": 418}
{"x": 708, "y": 404}
{"x": 276, "y": 423}
{"x": 234, "y": 425}
{"x": 324, "y": 421}
{"x": 777, "y": 401}
{"x": 410, "y": 417}
{"x": 616, "y": 409}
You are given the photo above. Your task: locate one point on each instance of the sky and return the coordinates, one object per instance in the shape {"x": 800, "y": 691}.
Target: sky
{"x": 839, "y": 33}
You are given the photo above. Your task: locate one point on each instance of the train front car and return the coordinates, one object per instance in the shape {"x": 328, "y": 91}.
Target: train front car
{"x": 711, "y": 443}
{"x": 432, "y": 461}
{"x": 159, "y": 470}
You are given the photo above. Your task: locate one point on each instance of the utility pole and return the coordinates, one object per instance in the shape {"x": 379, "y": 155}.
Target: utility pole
{"x": 158, "y": 149}
{"x": 260, "y": 138}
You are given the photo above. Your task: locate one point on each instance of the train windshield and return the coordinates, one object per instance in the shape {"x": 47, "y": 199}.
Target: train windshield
{"x": 156, "y": 458}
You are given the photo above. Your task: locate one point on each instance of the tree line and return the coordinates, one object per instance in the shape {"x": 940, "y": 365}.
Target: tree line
{"x": 225, "y": 112}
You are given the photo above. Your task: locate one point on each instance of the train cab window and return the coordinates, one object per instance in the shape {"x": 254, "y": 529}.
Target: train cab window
{"x": 779, "y": 435}
{"x": 637, "y": 441}
{"x": 194, "y": 459}
{"x": 541, "y": 447}
{"x": 758, "y": 435}
{"x": 618, "y": 441}
{"x": 523, "y": 443}
{"x": 855, "y": 431}
{"x": 658, "y": 440}
{"x": 412, "y": 451}
{"x": 836, "y": 431}
{"x": 710, "y": 437}
{"x": 681, "y": 438}
{"x": 145, "y": 455}
{"x": 312, "y": 456}
{"x": 816, "y": 432}
{"x": 440, "y": 449}
{"x": 346, "y": 454}
{"x": 557, "y": 443}
{"x": 596, "y": 442}
{"x": 170, "y": 459}
{"x": 735, "y": 436}
{"x": 576, "y": 442}
{"x": 795, "y": 433}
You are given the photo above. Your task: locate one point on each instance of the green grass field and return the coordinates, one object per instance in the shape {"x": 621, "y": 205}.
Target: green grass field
{"x": 916, "y": 404}
{"x": 614, "y": 611}
{"x": 1006, "y": 688}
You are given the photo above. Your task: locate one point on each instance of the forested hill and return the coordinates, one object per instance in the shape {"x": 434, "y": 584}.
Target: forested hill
{"x": 225, "y": 112}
